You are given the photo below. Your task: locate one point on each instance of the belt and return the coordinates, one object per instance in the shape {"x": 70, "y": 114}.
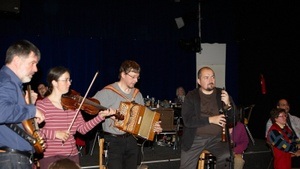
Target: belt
{"x": 11, "y": 150}
{"x": 118, "y": 135}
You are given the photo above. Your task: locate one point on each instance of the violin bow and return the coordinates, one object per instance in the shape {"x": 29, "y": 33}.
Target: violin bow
{"x": 82, "y": 101}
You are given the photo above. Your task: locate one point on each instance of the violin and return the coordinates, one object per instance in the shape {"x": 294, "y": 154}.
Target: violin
{"x": 32, "y": 128}
{"x": 73, "y": 99}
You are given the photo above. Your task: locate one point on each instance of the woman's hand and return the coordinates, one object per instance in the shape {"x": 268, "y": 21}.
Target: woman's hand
{"x": 106, "y": 113}
{"x": 62, "y": 135}
{"x": 297, "y": 153}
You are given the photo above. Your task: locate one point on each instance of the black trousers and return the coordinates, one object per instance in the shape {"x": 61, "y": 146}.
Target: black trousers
{"x": 122, "y": 152}
{"x": 190, "y": 158}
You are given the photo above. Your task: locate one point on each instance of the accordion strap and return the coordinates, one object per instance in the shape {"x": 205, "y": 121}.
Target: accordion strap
{"x": 135, "y": 92}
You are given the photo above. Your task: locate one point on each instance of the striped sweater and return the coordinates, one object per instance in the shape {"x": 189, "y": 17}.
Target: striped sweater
{"x": 58, "y": 119}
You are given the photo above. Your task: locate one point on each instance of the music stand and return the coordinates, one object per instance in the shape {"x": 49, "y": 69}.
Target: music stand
{"x": 96, "y": 139}
{"x": 248, "y": 111}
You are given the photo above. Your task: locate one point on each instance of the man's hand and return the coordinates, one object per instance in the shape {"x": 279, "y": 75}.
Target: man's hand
{"x": 40, "y": 117}
{"x": 33, "y": 98}
{"x": 157, "y": 127}
{"x": 218, "y": 120}
{"x": 225, "y": 98}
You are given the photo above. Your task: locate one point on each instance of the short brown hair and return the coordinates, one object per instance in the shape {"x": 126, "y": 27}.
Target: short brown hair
{"x": 64, "y": 163}
{"x": 21, "y": 48}
{"x": 129, "y": 66}
{"x": 275, "y": 113}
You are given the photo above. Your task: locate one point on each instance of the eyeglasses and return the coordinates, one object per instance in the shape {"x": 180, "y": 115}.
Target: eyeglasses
{"x": 41, "y": 88}
{"x": 133, "y": 76}
{"x": 283, "y": 116}
{"x": 65, "y": 80}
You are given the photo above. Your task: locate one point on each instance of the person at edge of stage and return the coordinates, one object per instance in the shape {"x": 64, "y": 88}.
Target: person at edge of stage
{"x": 64, "y": 163}
{"x": 180, "y": 94}
{"x": 42, "y": 89}
{"x": 123, "y": 149}
{"x": 284, "y": 142}
{"x": 292, "y": 121}
{"x": 203, "y": 114}
{"x": 239, "y": 141}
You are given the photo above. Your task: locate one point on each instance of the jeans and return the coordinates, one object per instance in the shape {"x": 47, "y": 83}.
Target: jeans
{"x": 14, "y": 161}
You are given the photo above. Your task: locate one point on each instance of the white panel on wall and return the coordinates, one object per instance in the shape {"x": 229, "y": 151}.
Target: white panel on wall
{"x": 214, "y": 56}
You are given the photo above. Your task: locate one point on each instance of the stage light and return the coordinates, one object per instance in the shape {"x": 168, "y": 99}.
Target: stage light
{"x": 179, "y": 22}
{"x": 187, "y": 19}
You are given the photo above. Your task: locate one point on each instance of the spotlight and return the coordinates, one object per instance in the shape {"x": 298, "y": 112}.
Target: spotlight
{"x": 179, "y": 22}
{"x": 187, "y": 18}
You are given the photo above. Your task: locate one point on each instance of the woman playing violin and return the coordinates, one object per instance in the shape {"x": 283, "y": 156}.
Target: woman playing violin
{"x": 59, "y": 125}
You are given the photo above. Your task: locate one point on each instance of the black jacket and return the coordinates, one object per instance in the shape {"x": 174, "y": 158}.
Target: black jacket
{"x": 192, "y": 118}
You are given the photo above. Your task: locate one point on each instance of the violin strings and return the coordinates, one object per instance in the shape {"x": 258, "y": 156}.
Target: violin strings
{"x": 82, "y": 101}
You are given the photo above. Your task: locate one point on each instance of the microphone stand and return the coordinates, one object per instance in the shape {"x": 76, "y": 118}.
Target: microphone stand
{"x": 228, "y": 138}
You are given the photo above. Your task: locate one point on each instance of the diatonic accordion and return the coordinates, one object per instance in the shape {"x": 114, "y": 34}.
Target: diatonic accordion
{"x": 138, "y": 120}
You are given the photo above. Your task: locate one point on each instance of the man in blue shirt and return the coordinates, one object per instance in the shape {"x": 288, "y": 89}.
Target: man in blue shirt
{"x": 21, "y": 62}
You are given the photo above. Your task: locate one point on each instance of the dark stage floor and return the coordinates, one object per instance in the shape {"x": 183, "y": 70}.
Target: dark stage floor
{"x": 257, "y": 156}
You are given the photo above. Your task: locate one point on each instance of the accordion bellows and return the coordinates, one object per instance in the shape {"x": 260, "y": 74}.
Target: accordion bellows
{"x": 138, "y": 120}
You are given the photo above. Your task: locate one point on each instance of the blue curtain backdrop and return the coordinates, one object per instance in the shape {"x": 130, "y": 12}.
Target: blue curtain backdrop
{"x": 97, "y": 35}
{"x": 91, "y": 36}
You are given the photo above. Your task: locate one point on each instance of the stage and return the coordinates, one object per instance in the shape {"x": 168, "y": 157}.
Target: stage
{"x": 157, "y": 156}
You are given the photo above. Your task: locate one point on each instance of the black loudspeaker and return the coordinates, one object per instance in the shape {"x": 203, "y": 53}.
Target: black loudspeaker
{"x": 10, "y": 6}
{"x": 258, "y": 160}
{"x": 258, "y": 156}
{"x": 166, "y": 118}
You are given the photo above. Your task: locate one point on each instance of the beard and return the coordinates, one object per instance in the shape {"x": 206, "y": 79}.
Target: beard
{"x": 210, "y": 87}
{"x": 131, "y": 86}
{"x": 26, "y": 79}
